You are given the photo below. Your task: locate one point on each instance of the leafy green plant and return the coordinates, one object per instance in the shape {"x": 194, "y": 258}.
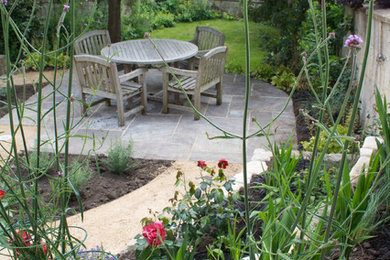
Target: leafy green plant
{"x": 80, "y": 173}
{"x": 118, "y": 157}
{"x": 284, "y": 81}
{"x": 334, "y": 146}
{"x": 202, "y": 212}
{"x": 45, "y": 161}
{"x": 32, "y": 60}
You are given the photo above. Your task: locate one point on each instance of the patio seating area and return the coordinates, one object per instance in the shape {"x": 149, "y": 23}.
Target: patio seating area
{"x": 174, "y": 136}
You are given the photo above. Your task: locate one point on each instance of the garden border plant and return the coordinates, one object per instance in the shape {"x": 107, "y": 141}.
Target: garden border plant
{"x": 291, "y": 215}
{"x": 29, "y": 226}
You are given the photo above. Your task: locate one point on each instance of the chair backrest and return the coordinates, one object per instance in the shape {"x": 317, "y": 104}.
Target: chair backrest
{"x": 97, "y": 76}
{"x": 207, "y": 38}
{"x": 92, "y": 42}
{"x": 212, "y": 66}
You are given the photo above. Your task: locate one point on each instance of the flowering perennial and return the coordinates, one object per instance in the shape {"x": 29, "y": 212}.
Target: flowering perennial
{"x": 2, "y": 194}
{"x": 154, "y": 233}
{"x": 27, "y": 242}
{"x": 223, "y": 163}
{"x": 353, "y": 41}
{"x": 66, "y": 8}
{"x": 202, "y": 164}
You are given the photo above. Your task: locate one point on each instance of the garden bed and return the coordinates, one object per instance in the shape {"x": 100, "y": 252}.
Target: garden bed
{"x": 105, "y": 186}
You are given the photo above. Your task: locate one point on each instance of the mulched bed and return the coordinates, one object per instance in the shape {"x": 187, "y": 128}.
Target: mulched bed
{"x": 107, "y": 186}
{"x": 28, "y": 91}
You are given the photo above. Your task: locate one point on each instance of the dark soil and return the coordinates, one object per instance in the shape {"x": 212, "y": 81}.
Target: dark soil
{"x": 21, "y": 91}
{"x": 301, "y": 99}
{"x": 107, "y": 186}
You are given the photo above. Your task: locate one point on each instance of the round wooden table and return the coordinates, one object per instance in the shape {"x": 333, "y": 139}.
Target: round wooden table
{"x": 143, "y": 52}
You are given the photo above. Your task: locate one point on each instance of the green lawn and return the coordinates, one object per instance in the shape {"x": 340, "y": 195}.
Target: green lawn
{"x": 234, "y": 32}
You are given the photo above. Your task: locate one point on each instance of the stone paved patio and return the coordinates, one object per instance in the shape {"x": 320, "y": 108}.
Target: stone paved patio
{"x": 175, "y": 136}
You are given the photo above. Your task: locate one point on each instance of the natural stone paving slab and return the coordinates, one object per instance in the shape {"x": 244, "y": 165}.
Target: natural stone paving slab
{"x": 176, "y": 136}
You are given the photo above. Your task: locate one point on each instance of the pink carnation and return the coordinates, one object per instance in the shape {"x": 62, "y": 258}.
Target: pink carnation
{"x": 202, "y": 164}
{"x": 223, "y": 163}
{"x": 154, "y": 233}
{"x": 353, "y": 41}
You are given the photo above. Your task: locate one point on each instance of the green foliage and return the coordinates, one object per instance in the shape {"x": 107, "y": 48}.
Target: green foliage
{"x": 202, "y": 212}
{"x": 118, "y": 157}
{"x": 33, "y": 59}
{"x": 150, "y": 15}
{"x": 45, "y": 161}
{"x": 21, "y": 15}
{"x": 234, "y": 33}
{"x": 284, "y": 81}
{"x": 80, "y": 173}
{"x": 354, "y": 212}
{"x": 334, "y": 146}
{"x": 337, "y": 22}
{"x": 287, "y": 16}
{"x": 205, "y": 210}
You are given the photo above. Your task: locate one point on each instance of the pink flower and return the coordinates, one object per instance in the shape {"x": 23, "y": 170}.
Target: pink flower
{"x": 353, "y": 41}
{"x": 223, "y": 163}
{"x": 2, "y": 194}
{"x": 304, "y": 54}
{"x": 66, "y": 8}
{"x": 60, "y": 174}
{"x": 154, "y": 233}
{"x": 333, "y": 35}
{"x": 4, "y": 2}
{"x": 146, "y": 35}
{"x": 202, "y": 164}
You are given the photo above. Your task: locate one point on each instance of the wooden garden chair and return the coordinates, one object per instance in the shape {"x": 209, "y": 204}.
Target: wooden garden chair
{"x": 98, "y": 77}
{"x": 92, "y": 42}
{"x": 206, "y": 38}
{"x": 195, "y": 83}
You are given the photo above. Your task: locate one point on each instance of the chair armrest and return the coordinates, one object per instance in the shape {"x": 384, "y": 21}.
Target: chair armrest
{"x": 131, "y": 75}
{"x": 176, "y": 71}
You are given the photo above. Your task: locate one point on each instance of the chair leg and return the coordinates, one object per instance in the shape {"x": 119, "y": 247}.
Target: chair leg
{"x": 144, "y": 95}
{"x": 165, "y": 93}
{"x": 219, "y": 93}
{"x": 197, "y": 105}
{"x": 83, "y": 96}
{"x": 121, "y": 114}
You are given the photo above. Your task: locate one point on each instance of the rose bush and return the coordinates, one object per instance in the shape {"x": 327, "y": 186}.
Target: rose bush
{"x": 154, "y": 233}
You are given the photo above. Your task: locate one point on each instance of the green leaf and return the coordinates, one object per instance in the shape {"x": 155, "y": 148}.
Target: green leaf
{"x": 198, "y": 193}
{"x": 203, "y": 185}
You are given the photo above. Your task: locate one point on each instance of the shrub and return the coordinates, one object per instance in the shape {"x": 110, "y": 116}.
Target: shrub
{"x": 284, "y": 81}
{"x": 80, "y": 173}
{"x": 20, "y": 16}
{"x": 33, "y": 59}
{"x": 202, "y": 213}
{"x": 334, "y": 147}
{"x": 45, "y": 161}
{"x": 118, "y": 157}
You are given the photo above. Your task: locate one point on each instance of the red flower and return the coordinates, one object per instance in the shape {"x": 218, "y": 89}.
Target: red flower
{"x": 154, "y": 233}
{"x": 27, "y": 242}
{"x": 223, "y": 163}
{"x": 2, "y": 194}
{"x": 202, "y": 164}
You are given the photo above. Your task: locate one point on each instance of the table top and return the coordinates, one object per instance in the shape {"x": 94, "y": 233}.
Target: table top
{"x": 144, "y": 52}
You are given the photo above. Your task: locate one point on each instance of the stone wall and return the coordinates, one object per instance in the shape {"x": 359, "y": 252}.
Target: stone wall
{"x": 229, "y": 6}
{"x": 378, "y": 64}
